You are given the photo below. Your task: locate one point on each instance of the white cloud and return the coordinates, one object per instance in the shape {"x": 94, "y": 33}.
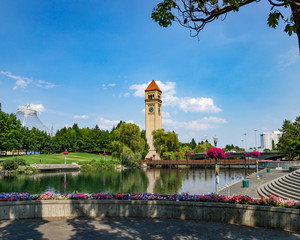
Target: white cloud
{"x": 143, "y": 110}
{"x": 80, "y": 117}
{"x": 166, "y": 114}
{"x": 196, "y": 125}
{"x": 109, "y": 124}
{"x": 126, "y": 95}
{"x": 106, "y": 86}
{"x": 186, "y": 104}
{"x": 22, "y": 82}
{"x": 38, "y": 107}
{"x": 106, "y": 124}
{"x": 67, "y": 125}
{"x": 44, "y": 84}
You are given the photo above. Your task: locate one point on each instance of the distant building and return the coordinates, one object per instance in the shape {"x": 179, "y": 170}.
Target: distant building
{"x": 269, "y": 139}
{"x": 29, "y": 119}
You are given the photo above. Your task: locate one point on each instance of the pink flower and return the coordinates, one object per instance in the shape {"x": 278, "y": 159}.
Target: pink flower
{"x": 216, "y": 153}
{"x": 65, "y": 153}
{"x": 186, "y": 154}
{"x": 177, "y": 155}
{"x": 193, "y": 154}
{"x": 256, "y": 154}
{"x": 153, "y": 155}
{"x": 104, "y": 154}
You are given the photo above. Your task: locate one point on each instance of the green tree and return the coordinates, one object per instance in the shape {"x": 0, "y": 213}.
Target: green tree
{"x": 10, "y": 132}
{"x": 289, "y": 143}
{"x": 233, "y": 148}
{"x": 165, "y": 142}
{"x": 129, "y": 145}
{"x": 203, "y": 147}
{"x": 193, "y": 144}
{"x": 195, "y": 14}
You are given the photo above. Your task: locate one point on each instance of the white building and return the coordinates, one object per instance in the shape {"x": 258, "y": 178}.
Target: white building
{"x": 266, "y": 139}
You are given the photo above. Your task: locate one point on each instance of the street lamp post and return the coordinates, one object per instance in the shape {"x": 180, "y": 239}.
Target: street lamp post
{"x": 65, "y": 153}
{"x": 215, "y": 140}
{"x": 245, "y": 141}
{"x": 205, "y": 143}
{"x": 255, "y": 147}
{"x": 216, "y": 164}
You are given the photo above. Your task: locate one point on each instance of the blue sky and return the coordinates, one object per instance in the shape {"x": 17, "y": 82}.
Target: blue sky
{"x": 89, "y": 61}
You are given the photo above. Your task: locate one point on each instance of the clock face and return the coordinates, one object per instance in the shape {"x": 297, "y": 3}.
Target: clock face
{"x": 151, "y": 109}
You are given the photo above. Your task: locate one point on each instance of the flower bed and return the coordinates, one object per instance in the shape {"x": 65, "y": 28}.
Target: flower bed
{"x": 235, "y": 199}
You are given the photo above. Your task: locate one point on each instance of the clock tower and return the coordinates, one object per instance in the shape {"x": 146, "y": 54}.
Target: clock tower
{"x": 153, "y": 115}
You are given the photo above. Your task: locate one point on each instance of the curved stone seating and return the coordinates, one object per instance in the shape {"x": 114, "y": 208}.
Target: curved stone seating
{"x": 248, "y": 215}
{"x": 286, "y": 187}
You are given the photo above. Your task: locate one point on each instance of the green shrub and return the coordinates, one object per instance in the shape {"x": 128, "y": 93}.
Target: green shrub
{"x": 20, "y": 161}
{"x": 19, "y": 170}
{"x": 31, "y": 170}
{"x": 166, "y": 155}
{"x": 10, "y": 165}
{"x": 98, "y": 165}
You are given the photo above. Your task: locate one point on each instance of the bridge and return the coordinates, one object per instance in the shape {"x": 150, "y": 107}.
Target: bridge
{"x": 202, "y": 162}
{"x": 264, "y": 155}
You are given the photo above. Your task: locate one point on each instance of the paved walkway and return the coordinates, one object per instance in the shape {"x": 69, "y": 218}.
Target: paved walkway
{"x": 237, "y": 188}
{"x": 133, "y": 228}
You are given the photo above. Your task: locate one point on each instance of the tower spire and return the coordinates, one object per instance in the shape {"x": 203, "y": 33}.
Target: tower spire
{"x": 152, "y": 86}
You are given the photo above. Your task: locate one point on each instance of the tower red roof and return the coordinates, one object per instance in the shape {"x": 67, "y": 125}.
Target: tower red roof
{"x": 152, "y": 86}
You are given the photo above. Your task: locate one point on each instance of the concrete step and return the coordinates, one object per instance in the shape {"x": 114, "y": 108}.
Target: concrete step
{"x": 292, "y": 187}
{"x": 261, "y": 191}
{"x": 277, "y": 192}
{"x": 285, "y": 190}
{"x": 287, "y": 178}
{"x": 284, "y": 181}
{"x": 265, "y": 191}
{"x": 286, "y": 187}
{"x": 290, "y": 178}
{"x": 295, "y": 174}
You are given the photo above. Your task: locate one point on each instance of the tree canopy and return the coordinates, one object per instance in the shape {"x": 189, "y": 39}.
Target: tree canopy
{"x": 289, "y": 143}
{"x": 195, "y": 14}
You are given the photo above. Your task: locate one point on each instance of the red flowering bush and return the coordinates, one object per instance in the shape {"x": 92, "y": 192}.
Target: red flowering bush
{"x": 255, "y": 154}
{"x": 216, "y": 153}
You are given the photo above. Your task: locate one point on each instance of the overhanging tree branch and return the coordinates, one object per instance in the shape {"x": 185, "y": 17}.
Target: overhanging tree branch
{"x": 195, "y": 14}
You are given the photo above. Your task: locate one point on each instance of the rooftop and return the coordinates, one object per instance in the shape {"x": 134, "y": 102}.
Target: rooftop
{"x": 152, "y": 86}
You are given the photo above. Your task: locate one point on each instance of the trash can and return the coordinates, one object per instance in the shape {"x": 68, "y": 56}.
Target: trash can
{"x": 268, "y": 170}
{"x": 260, "y": 175}
{"x": 245, "y": 183}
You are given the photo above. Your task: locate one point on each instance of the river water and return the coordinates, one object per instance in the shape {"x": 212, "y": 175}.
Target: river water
{"x": 164, "y": 181}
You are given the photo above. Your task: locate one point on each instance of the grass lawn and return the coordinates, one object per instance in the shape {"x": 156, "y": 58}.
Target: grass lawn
{"x": 57, "y": 158}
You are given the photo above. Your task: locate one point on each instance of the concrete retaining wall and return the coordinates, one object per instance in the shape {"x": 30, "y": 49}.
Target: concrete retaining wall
{"x": 283, "y": 164}
{"x": 283, "y": 218}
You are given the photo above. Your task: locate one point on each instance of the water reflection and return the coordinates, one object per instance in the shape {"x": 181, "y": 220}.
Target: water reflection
{"x": 165, "y": 181}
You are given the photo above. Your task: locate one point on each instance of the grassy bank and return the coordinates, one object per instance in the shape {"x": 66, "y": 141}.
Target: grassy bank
{"x": 58, "y": 158}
